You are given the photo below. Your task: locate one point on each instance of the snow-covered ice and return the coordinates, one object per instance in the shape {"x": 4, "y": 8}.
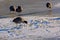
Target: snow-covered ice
{"x": 40, "y": 26}
{"x": 44, "y": 27}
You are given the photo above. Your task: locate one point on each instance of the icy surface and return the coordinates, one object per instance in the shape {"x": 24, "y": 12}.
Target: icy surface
{"x": 37, "y": 27}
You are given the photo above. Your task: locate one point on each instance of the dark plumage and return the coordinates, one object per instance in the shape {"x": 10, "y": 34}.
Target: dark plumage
{"x": 25, "y": 22}
{"x": 48, "y": 5}
{"x": 11, "y": 8}
{"x": 19, "y": 20}
{"x": 19, "y": 9}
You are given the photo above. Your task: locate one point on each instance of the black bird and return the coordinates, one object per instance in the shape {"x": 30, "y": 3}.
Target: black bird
{"x": 25, "y": 22}
{"x": 19, "y": 9}
{"x": 11, "y": 8}
{"x": 19, "y": 20}
{"x": 48, "y": 5}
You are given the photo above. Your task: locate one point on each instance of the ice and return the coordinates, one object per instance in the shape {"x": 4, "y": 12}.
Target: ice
{"x": 42, "y": 26}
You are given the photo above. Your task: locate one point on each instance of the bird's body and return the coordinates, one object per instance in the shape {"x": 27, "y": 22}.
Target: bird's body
{"x": 48, "y": 5}
{"x": 12, "y": 8}
{"x": 19, "y": 9}
{"x": 19, "y": 20}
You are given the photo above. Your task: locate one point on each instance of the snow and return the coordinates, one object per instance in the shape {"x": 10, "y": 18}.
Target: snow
{"x": 44, "y": 27}
{"x": 38, "y": 28}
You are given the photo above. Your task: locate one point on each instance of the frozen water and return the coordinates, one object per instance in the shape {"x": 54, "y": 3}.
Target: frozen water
{"x": 43, "y": 24}
{"x": 43, "y": 27}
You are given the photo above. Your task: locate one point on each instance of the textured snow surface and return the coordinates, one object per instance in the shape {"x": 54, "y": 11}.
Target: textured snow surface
{"x": 36, "y": 29}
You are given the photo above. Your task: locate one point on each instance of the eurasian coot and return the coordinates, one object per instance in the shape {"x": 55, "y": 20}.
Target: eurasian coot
{"x": 19, "y": 20}
{"x": 19, "y": 9}
{"x": 11, "y": 8}
{"x": 48, "y": 5}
